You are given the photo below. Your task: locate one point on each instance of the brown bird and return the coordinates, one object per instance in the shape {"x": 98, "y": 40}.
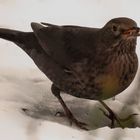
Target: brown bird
{"x": 90, "y": 63}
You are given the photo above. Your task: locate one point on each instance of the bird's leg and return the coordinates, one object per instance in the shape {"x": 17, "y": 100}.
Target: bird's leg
{"x": 113, "y": 117}
{"x": 72, "y": 119}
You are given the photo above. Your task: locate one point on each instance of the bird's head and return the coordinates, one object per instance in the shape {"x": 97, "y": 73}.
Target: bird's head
{"x": 119, "y": 29}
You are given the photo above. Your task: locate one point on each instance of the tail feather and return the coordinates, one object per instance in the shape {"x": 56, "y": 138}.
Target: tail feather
{"x": 19, "y": 37}
{"x": 25, "y": 40}
{"x": 11, "y": 35}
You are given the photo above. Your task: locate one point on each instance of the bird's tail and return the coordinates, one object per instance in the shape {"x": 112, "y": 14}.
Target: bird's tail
{"x": 25, "y": 40}
{"x": 11, "y": 35}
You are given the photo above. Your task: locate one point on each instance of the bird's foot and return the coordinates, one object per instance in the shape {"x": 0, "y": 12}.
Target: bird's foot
{"x": 128, "y": 117}
{"x": 114, "y": 117}
{"x": 72, "y": 119}
{"x": 79, "y": 124}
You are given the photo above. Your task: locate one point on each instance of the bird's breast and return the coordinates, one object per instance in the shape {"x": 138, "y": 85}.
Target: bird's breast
{"x": 106, "y": 79}
{"x": 117, "y": 75}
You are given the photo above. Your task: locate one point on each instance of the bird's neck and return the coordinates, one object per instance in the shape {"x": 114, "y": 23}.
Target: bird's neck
{"x": 125, "y": 46}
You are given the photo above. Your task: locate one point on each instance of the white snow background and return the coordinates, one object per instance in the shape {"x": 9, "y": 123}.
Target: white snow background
{"x": 22, "y": 85}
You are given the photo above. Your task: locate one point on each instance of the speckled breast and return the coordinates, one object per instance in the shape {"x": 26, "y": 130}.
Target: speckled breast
{"x": 94, "y": 81}
{"x": 118, "y": 75}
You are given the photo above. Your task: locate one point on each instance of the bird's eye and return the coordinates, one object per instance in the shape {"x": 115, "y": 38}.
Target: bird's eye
{"x": 114, "y": 28}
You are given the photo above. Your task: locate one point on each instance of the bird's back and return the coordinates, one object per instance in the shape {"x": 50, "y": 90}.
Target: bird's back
{"x": 67, "y": 44}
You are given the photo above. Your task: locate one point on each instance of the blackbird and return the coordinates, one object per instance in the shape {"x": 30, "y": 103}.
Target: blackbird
{"x": 90, "y": 63}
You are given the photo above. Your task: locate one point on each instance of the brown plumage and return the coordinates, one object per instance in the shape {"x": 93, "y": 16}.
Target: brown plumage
{"x": 84, "y": 62}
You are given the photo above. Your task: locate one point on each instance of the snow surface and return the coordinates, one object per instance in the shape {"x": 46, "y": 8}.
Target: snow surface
{"x": 22, "y": 85}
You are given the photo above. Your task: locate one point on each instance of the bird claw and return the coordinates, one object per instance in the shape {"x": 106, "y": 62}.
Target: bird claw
{"x": 128, "y": 117}
{"x": 79, "y": 124}
{"x": 113, "y": 117}
{"x": 72, "y": 120}
{"x": 82, "y": 123}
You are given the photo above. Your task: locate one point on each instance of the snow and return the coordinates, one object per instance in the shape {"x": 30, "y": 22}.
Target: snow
{"x": 22, "y": 85}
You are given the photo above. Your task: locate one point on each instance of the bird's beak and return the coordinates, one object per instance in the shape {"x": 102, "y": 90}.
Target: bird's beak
{"x": 132, "y": 32}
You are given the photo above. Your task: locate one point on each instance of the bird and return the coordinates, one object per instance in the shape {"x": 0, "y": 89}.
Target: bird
{"x": 85, "y": 62}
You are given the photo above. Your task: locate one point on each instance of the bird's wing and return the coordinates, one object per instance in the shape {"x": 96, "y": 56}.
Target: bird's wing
{"x": 64, "y": 44}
